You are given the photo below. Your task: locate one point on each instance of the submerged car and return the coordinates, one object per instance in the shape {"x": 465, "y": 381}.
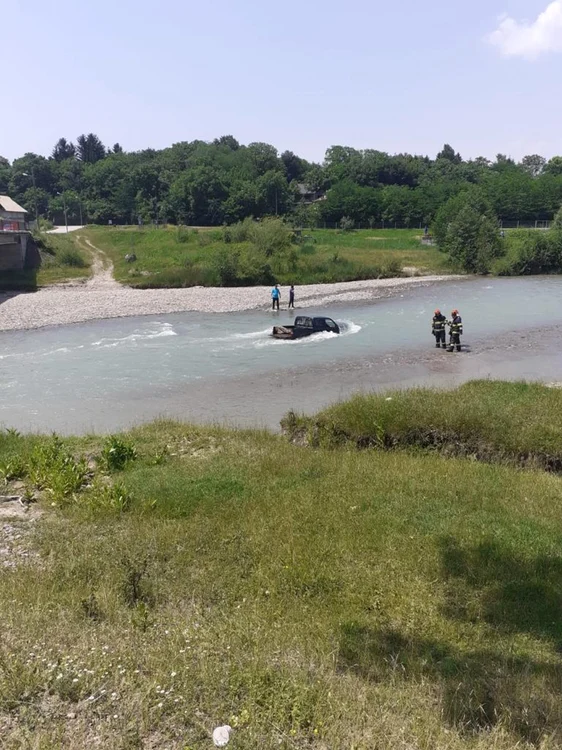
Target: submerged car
{"x": 305, "y": 326}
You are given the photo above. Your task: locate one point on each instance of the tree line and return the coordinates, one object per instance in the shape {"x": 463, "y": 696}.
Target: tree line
{"x": 224, "y": 182}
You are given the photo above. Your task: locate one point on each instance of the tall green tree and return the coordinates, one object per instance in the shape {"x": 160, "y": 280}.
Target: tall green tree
{"x": 89, "y": 148}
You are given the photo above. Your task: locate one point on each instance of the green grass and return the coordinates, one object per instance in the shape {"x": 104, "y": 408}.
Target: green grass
{"x": 310, "y": 597}
{"x": 179, "y": 257}
{"x": 62, "y": 260}
{"x": 515, "y": 423}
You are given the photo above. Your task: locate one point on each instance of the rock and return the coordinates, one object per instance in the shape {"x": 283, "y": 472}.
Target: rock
{"x": 221, "y": 735}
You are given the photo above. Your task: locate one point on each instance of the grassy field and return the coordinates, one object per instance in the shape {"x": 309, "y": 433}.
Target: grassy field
{"x": 62, "y": 261}
{"x": 181, "y": 578}
{"x": 175, "y": 256}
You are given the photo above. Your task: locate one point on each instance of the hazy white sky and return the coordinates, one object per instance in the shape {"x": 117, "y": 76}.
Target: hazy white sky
{"x": 398, "y": 76}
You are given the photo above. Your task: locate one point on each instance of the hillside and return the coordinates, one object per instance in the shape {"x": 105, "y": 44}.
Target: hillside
{"x": 328, "y": 597}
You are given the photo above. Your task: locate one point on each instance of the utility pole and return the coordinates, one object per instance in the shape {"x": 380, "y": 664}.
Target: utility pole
{"x": 25, "y": 174}
{"x": 65, "y": 214}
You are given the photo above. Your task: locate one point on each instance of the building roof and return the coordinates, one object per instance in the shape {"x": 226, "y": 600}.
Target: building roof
{"x": 7, "y": 204}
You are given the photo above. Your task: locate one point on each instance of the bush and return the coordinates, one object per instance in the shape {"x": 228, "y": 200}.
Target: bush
{"x": 225, "y": 263}
{"x": 183, "y": 235}
{"x": 534, "y": 252}
{"x": 347, "y": 224}
{"x": 270, "y": 237}
{"x": 54, "y": 469}
{"x": 240, "y": 232}
{"x": 71, "y": 258}
{"x": 117, "y": 453}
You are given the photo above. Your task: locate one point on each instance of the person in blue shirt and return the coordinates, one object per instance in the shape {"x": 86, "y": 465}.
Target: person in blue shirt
{"x": 275, "y": 297}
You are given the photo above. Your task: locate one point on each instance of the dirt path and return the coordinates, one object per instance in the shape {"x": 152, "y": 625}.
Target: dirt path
{"x": 102, "y": 267}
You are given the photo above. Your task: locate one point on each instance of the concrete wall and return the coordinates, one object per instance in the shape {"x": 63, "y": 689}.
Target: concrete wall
{"x": 18, "y": 251}
{"x": 11, "y": 256}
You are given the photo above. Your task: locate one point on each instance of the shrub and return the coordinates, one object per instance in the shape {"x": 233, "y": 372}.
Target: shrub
{"x": 225, "y": 263}
{"x": 117, "y": 453}
{"x": 54, "y": 469}
{"x": 182, "y": 235}
{"x": 347, "y": 224}
{"x": 71, "y": 257}
{"x": 240, "y": 232}
{"x": 270, "y": 237}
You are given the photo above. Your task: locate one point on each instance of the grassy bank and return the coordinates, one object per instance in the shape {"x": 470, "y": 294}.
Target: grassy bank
{"x": 61, "y": 260}
{"x": 311, "y": 598}
{"x": 512, "y": 423}
{"x": 175, "y": 256}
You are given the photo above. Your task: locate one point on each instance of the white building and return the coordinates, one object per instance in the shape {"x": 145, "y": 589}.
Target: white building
{"x": 12, "y": 216}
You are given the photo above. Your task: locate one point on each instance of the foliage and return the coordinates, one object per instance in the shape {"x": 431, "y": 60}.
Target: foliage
{"x": 531, "y": 252}
{"x": 557, "y": 223}
{"x": 467, "y": 229}
{"x": 54, "y": 469}
{"x": 347, "y": 224}
{"x": 163, "y": 262}
{"x": 271, "y": 237}
{"x": 117, "y": 453}
{"x": 203, "y": 184}
{"x": 72, "y": 257}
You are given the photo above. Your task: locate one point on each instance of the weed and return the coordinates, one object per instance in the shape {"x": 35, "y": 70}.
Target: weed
{"x": 117, "y": 453}
{"x": 91, "y": 608}
{"x": 53, "y": 468}
{"x": 13, "y": 468}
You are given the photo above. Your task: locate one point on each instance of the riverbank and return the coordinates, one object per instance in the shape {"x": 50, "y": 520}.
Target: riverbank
{"x": 176, "y": 578}
{"x": 60, "y": 305}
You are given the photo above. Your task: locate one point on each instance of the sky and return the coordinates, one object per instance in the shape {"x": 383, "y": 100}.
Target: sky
{"x": 397, "y": 76}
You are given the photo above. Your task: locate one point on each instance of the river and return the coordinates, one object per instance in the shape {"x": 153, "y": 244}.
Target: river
{"x": 110, "y": 374}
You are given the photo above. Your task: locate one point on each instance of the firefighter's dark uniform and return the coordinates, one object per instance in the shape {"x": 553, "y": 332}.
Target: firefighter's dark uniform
{"x": 438, "y": 330}
{"x": 456, "y": 333}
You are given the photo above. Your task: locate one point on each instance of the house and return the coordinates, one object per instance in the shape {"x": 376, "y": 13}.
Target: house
{"x": 12, "y": 216}
{"x": 308, "y": 195}
{"x": 18, "y": 251}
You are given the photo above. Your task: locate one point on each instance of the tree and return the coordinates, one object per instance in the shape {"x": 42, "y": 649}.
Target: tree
{"x": 294, "y": 166}
{"x": 467, "y": 229}
{"x": 5, "y": 174}
{"x": 89, "y": 148}
{"x": 554, "y": 166}
{"x": 557, "y": 223}
{"x": 63, "y": 150}
{"x": 448, "y": 152}
{"x": 117, "y": 148}
{"x": 533, "y": 164}
{"x": 227, "y": 141}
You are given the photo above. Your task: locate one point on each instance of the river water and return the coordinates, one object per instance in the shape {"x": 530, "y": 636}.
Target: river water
{"x": 107, "y": 375}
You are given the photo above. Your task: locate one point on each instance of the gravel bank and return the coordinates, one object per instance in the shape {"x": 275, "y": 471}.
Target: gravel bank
{"x": 96, "y": 300}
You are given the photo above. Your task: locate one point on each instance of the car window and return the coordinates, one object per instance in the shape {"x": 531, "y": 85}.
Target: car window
{"x": 330, "y": 323}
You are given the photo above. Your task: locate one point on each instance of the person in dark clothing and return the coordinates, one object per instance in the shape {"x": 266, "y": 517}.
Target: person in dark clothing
{"x": 456, "y": 330}
{"x": 291, "y": 297}
{"x": 438, "y": 329}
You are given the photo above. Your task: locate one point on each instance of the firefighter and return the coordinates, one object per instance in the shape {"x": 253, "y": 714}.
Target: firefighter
{"x": 438, "y": 329}
{"x": 455, "y": 326}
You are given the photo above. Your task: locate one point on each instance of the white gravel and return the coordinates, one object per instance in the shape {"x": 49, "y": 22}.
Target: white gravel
{"x": 102, "y": 297}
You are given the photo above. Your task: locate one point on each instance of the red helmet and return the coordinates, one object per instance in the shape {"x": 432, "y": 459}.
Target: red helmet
{"x": 455, "y": 312}
{"x": 437, "y": 312}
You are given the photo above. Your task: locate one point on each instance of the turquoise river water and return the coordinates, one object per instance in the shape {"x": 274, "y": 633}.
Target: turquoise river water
{"x": 106, "y": 375}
